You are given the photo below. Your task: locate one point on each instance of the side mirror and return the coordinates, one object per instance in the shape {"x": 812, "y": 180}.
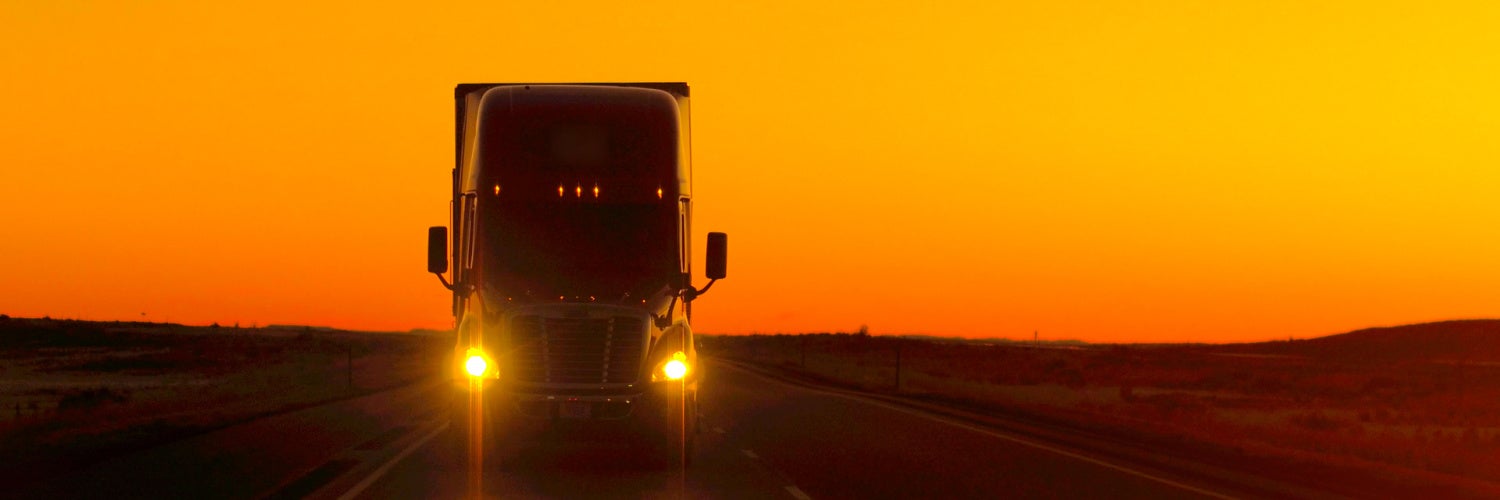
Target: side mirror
{"x": 437, "y": 249}
{"x": 718, "y": 246}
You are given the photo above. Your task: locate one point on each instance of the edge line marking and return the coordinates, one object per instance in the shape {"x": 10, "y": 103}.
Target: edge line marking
{"x": 989, "y": 432}
{"x": 389, "y": 464}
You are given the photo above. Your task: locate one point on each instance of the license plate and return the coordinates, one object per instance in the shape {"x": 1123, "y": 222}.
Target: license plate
{"x": 574, "y": 409}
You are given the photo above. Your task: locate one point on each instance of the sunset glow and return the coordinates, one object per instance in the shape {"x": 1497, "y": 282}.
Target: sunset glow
{"x": 1104, "y": 171}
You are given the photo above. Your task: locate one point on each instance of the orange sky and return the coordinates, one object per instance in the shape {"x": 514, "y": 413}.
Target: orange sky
{"x": 1103, "y": 170}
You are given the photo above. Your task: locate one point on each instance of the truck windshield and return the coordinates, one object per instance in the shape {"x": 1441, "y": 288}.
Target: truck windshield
{"x": 542, "y": 249}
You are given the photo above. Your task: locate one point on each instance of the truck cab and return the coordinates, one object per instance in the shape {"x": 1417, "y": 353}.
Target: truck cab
{"x": 571, "y": 268}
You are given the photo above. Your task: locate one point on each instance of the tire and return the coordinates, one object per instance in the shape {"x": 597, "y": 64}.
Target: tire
{"x": 690, "y": 447}
{"x": 497, "y": 447}
{"x": 673, "y": 446}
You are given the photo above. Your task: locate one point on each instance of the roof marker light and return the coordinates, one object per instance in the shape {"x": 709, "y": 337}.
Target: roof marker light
{"x": 497, "y": 189}
{"x": 559, "y": 191}
{"x": 596, "y": 190}
{"x": 658, "y": 193}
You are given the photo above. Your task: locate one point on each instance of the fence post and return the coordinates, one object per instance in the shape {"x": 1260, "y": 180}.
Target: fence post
{"x": 349, "y": 365}
{"x": 898, "y": 366}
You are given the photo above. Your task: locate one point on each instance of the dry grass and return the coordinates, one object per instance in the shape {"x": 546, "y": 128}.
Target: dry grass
{"x": 1412, "y": 412}
{"x": 75, "y": 392}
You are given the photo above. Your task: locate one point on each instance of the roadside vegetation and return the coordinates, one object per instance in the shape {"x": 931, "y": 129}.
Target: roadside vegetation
{"x": 76, "y": 392}
{"x": 1421, "y": 399}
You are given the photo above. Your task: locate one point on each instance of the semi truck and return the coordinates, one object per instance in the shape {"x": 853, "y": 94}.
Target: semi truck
{"x": 571, "y": 265}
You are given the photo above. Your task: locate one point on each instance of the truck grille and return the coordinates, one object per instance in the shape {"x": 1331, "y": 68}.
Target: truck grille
{"x": 577, "y": 350}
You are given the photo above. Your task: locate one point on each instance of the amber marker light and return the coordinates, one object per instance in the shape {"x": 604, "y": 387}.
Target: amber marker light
{"x": 658, "y": 193}
{"x": 596, "y": 190}
{"x": 559, "y": 191}
{"x": 497, "y": 189}
{"x": 578, "y": 190}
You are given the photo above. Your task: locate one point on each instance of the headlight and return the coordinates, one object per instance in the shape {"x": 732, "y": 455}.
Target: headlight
{"x": 674, "y": 369}
{"x": 476, "y": 364}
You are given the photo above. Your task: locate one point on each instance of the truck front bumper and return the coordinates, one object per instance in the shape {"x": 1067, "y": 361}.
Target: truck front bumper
{"x": 651, "y": 409}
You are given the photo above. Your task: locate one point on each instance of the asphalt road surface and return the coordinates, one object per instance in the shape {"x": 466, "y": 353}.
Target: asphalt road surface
{"x": 763, "y": 437}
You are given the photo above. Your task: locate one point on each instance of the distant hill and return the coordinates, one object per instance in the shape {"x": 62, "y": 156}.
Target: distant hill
{"x": 1470, "y": 340}
{"x": 993, "y": 340}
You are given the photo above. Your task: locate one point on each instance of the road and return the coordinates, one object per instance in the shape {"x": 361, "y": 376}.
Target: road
{"x": 764, "y": 437}
{"x": 768, "y": 439}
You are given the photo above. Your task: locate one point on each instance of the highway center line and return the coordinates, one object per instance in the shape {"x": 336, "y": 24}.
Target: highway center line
{"x": 386, "y": 467}
{"x": 797, "y": 493}
{"x": 750, "y": 454}
{"x": 989, "y": 432}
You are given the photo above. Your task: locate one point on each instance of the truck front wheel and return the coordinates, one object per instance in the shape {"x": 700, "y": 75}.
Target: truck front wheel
{"x": 492, "y": 443}
{"x": 674, "y": 442}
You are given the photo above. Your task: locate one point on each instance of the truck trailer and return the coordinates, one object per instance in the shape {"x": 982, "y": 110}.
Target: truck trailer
{"x": 571, "y": 273}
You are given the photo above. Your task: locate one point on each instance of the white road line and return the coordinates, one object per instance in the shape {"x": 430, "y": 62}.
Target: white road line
{"x": 992, "y": 433}
{"x": 797, "y": 493}
{"x": 749, "y": 453}
{"x": 718, "y": 430}
{"x": 386, "y": 467}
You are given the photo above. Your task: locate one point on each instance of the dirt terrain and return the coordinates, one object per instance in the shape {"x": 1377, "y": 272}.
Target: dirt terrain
{"x": 1421, "y": 399}
{"x": 74, "y": 392}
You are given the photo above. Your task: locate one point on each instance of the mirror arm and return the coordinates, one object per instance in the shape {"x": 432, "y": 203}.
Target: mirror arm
{"x": 691, "y": 294}
{"x": 665, "y": 321}
{"x": 444, "y": 281}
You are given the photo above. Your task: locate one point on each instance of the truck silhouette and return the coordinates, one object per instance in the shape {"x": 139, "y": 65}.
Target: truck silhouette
{"x": 571, "y": 265}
